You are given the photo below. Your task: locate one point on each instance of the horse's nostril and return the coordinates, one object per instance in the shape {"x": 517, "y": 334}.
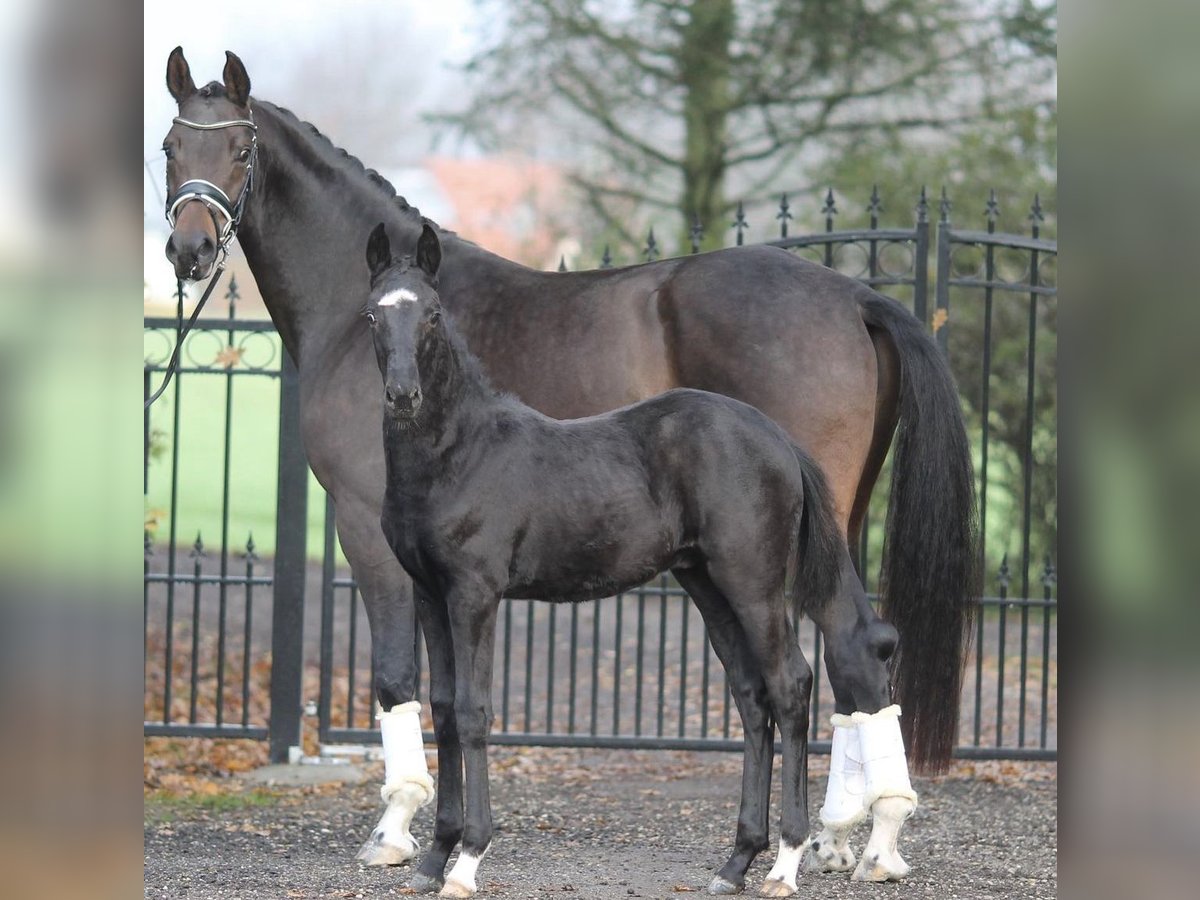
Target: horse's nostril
{"x": 414, "y": 397}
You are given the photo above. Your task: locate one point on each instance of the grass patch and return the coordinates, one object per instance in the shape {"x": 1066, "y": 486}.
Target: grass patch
{"x": 164, "y": 807}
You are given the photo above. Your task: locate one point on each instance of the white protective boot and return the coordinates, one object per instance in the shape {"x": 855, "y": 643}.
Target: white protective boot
{"x": 844, "y": 807}
{"x": 889, "y": 794}
{"x": 407, "y": 787}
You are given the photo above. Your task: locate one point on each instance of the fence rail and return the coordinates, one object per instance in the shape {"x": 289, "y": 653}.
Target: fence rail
{"x": 629, "y": 671}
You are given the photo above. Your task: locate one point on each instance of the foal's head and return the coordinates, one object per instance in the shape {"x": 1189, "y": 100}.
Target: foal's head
{"x": 405, "y": 318}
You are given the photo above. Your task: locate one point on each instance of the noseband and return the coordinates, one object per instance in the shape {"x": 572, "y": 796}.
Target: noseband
{"x": 218, "y": 204}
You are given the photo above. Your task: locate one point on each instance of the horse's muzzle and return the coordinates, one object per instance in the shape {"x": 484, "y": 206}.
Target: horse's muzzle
{"x": 402, "y": 403}
{"x": 192, "y": 254}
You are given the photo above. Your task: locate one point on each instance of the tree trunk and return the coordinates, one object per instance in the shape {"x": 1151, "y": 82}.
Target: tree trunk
{"x": 704, "y": 72}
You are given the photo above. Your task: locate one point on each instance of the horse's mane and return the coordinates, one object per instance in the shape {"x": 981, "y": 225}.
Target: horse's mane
{"x": 347, "y": 159}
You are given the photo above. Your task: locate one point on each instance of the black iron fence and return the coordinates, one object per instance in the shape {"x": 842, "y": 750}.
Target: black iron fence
{"x": 634, "y": 670}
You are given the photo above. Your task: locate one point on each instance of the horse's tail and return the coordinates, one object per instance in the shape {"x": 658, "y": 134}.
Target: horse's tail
{"x": 822, "y": 543}
{"x": 929, "y": 582}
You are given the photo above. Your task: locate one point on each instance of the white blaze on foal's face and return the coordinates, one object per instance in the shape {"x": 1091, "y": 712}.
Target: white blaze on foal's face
{"x": 395, "y": 298}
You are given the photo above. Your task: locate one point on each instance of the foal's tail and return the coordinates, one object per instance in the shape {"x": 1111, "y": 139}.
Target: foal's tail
{"x": 822, "y": 543}
{"x": 929, "y": 581}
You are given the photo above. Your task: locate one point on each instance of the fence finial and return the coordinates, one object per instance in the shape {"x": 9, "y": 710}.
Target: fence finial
{"x": 147, "y": 544}
{"x": 198, "y": 547}
{"x": 944, "y": 206}
{"x": 651, "y": 251}
{"x": 1049, "y": 575}
{"x": 785, "y": 213}
{"x": 923, "y": 206}
{"x": 562, "y": 263}
{"x": 696, "y": 232}
{"x": 606, "y": 259}
{"x": 232, "y": 295}
{"x": 875, "y": 207}
{"x": 992, "y": 210}
{"x": 250, "y": 555}
{"x": 829, "y": 210}
{"x": 1004, "y": 576}
{"x": 739, "y": 222}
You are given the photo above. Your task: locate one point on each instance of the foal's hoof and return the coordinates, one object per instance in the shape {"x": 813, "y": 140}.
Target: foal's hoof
{"x": 775, "y": 887}
{"x": 819, "y": 857}
{"x": 880, "y": 867}
{"x": 456, "y": 889}
{"x": 377, "y": 852}
{"x": 424, "y": 884}
{"x": 720, "y": 886}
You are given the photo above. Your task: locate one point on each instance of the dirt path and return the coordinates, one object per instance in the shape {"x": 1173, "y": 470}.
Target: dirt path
{"x": 594, "y": 824}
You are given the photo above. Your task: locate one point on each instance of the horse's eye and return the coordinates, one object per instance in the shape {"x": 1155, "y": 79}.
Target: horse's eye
{"x": 243, "y": 154}
{"x": 168, "y": 151}
{"x": 435, "y": 316}
{"x": 370, "y": 318}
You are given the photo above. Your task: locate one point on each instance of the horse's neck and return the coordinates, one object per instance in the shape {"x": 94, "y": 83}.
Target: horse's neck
{"x": 305, "y": 231}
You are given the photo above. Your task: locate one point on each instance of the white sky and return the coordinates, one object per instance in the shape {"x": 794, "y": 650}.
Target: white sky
{"x": 269, "y": 36}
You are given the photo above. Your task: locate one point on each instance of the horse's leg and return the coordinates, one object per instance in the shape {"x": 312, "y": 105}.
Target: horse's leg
{"x": 760, "y": 608}
{"x": 750, "y": 697}
{"x": 868, "y": 771}
{"x": 448, "y": 825}
{"x": 387, "y": 596}
{"x": 472, "y": 611}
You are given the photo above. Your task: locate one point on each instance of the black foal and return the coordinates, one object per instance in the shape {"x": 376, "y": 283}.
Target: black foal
{"x": 487, "y": 498}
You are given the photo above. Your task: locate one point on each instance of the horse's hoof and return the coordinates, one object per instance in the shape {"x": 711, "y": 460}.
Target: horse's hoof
{"x": 377, "y": 852}
{"x": 881, "y": 867}
{"x": 720, "y": 886}
{"x": 827, "y": 858}
{"x": 454, "y": 888}
{"x": 774, "y": 887}
{"x": 424, "y": 884}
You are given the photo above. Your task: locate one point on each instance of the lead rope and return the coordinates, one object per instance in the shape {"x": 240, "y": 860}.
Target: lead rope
{"x": 181, "y": 333}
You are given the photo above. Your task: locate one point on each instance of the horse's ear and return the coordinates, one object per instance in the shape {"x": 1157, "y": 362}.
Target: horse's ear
{"x": 429, "y": 251}
{"x": 379, "y": 251}
{"x": 237, "y": 82}
{"x": 179, "y": 76}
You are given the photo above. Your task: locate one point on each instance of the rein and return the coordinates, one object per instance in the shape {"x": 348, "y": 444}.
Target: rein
{"x": 217, "y": 202}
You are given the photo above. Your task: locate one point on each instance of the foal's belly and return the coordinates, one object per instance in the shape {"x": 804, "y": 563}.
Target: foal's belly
{"x": 593, "y": 557}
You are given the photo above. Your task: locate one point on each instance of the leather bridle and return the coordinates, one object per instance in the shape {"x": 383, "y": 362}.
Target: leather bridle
{"x": 218, "y": 205}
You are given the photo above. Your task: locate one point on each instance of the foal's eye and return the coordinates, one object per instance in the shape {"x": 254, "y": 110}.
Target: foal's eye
{"x": 370, "y": 318}
{"x": 168, "y": 151}
{"x": 243, "y": 155}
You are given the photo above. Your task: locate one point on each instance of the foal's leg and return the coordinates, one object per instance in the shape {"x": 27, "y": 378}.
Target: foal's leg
{"x": 472, "y": 610}
{"x": 750, "y": 697}
{"x": 448, "y": 825}
{"x": 758, "y": 600}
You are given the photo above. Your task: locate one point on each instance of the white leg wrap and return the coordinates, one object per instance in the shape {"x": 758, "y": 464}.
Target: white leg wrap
{"x": 844, "y": 807}
{"x": 461, "y": 880}
{"x": 781, "y": 880}
{"x": 407, "y": 786}
{"x": 889, "y": 794}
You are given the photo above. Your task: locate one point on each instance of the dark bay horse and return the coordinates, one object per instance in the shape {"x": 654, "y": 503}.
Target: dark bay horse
{"x": 836, "y": 365}
{"x": 487, "y": 498}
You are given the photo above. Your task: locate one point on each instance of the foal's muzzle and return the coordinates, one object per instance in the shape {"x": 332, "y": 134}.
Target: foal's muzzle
{"x": 402, "y": 403}
{"x": 192, "y": 254}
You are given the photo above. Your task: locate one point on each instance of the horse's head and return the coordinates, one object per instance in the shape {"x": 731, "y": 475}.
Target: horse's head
{"x": 211, "y": 150}
{"x": 404, "y": 314}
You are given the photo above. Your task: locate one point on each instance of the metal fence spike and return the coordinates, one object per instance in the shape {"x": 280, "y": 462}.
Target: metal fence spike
{"x": 739, "y": 222}
{"x": 944, "y": 206}
{"x": 198, "y": 547}
{"x": 923, "y": 206}
{"x": 875, "y": 207}
{"x": 1004, "y": 576}
{"x": 562, "y": 264}
{"x": 992, "y": 210}
{"x": 785, "y": 213}
{"x": 696, "y": 232}
{"x": 606, "y": 260}
{"x": 250, "y": 548}
{"x": 147, "y": 544}
{"x": 651, "y": 249}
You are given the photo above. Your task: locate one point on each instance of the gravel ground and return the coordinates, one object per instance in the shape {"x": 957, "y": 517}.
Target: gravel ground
{"x": 595, "y": 824}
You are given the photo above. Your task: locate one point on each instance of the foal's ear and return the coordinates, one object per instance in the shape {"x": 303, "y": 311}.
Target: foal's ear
{"x": 429, "y": 251}
{"x": 237, "y": 82}
{"x": 179, "y": 76}
{"x": 379, "y": 251}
